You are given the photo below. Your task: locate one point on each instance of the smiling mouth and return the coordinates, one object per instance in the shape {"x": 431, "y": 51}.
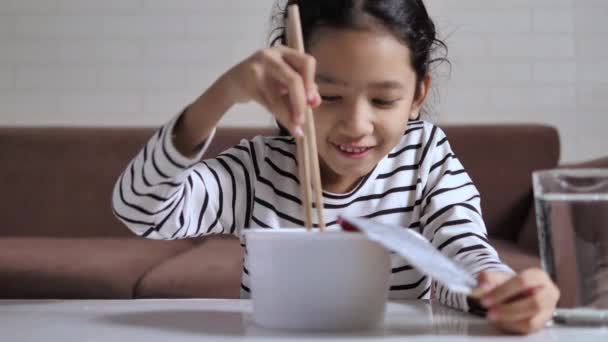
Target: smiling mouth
{"x": 353, "y": 151}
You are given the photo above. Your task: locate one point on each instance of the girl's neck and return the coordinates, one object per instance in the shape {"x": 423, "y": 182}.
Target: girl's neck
{"x": 336, "y": 183}
{"x": 339, "y": 186}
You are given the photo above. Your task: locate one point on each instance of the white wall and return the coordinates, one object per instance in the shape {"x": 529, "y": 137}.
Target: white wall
{"x": 529, "y": 61}
{"x": 137, "y": 62}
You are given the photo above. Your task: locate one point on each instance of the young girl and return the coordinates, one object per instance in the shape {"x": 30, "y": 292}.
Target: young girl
{"x": 367, "y": 75}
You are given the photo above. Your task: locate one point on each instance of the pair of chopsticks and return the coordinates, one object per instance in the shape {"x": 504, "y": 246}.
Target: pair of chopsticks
{"x": 308, "y": 159}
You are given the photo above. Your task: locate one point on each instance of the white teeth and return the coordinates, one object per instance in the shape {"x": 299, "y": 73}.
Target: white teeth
{"x": 350, "y": 149}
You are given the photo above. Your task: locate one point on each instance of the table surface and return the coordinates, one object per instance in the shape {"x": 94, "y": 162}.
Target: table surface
{"x": 219, "y": 320}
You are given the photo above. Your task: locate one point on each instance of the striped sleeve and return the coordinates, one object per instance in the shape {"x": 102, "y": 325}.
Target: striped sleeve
{"x": 451, "y": 215}
{"x": 165, "y": 195}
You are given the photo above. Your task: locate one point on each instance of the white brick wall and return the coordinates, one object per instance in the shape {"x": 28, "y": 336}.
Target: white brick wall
{"x": 137, "y": 62}
{"x": 121, "y": 62}
{"x": 529, "y": 61}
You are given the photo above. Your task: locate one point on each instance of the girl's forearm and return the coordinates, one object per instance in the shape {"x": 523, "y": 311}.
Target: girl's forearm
{"x": 202, "y": 116}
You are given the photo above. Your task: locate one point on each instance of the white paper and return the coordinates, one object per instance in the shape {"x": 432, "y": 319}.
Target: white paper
{"x": 419, "y": 252}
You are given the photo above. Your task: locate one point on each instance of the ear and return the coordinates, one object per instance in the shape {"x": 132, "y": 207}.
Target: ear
{"x": 421, "y": 94}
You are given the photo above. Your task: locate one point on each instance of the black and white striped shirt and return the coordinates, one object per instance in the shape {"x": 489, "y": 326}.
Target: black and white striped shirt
{"x": 419, "y": 185}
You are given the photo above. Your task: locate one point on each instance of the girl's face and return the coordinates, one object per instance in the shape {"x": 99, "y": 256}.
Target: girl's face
{"x": 368, "y": 89}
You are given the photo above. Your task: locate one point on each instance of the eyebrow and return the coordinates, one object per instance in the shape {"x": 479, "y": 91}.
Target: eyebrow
{"x": 389, "y": 84}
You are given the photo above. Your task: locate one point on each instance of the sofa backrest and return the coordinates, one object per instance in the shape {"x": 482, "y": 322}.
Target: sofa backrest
{"x": 500, "y": 159}
{"x": 58, "y": 181}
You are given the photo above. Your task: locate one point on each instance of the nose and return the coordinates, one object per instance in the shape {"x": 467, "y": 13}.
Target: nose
{"x": 357, "y": 121}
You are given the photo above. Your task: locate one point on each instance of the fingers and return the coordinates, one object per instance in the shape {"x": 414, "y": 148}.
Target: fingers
{"x": 518, "y": 310}
{"x": 306, "y": 66}
{"x": 487, "y": 281}
{"x": 280, "y": 106}
{"x": 299, "y": 68}
{"x": 522, "y": 304}
{"x": 282, "y": 79}
{"x": 289, "y": 78}
{"x": 527, "y": 280}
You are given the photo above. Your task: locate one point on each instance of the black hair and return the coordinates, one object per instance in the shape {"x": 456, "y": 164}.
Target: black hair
{"x": 407, "y": 20}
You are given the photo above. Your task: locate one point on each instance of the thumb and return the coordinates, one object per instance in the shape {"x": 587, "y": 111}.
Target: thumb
{"x": 488, "y": 280}
{"x": 484, "y": 284}
{"x": 484, "y": 279}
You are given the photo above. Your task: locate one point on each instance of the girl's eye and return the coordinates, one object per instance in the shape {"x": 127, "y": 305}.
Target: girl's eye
{"x": 327, "y": 98}
{"x": 384, "y": 103}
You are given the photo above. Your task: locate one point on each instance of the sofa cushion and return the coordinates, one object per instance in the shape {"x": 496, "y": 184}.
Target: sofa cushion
{"x": 78, "y": 268}
{"x": 210, "y": 270}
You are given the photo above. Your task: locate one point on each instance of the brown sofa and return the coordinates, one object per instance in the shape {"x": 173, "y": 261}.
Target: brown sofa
{"x": 59, "y": 239}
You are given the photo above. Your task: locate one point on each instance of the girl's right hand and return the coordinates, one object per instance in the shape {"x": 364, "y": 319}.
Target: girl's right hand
{"x": 279, "y": 78}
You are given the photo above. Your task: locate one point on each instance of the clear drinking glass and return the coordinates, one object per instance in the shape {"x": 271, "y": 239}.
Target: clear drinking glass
{"x": 572, "y": 217}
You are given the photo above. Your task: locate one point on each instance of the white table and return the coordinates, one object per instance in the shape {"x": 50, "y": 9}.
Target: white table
{"x": 219, "y": 320}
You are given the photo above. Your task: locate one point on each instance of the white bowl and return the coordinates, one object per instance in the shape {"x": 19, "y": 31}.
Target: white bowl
{"x": 317, "y": 281}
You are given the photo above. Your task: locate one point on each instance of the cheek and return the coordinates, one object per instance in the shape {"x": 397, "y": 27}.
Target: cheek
{"x": 391, "y": 135}
{"x": 323, "y": 122}
{"x": 395, "y": 123}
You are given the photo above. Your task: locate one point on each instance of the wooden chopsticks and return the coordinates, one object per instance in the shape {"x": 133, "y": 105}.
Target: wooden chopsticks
{"x": 308, "y": 159}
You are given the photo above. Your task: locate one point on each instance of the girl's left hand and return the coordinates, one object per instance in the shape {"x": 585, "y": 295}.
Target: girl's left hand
{"x": 518, "y": 304}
